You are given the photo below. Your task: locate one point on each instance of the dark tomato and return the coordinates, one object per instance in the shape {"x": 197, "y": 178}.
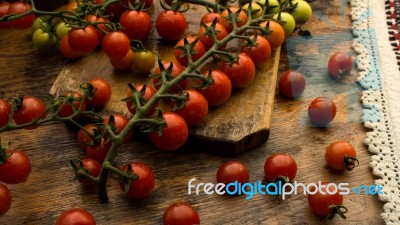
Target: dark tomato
{"x": 125, "y": 63}
{"x": 116, "y": 44}
{"x": 325, "y": 196}
{"x": 5, "y": 110}
{"x": 206, "y": 39}
{"x": 83, "y": 40}
{"x": 136, "y": 24}
{"x": 341, "y": 155}
{"x": 277, "y": 36}
{"x": 195, "y": 109}
{"x": 280, "y": 165}
{"x": 3, "y": 11}
{"x": 183, "y": 58}
{"x": 241, "y": 73}
{"x": 176, "y": 70}
{"x": 113, "y": 11}
{"x": 292, "y": 84}
{"x": 261, "y": 53}
{"x": 219, "y": 91}
{"x": 339, "y": 65}
{"x": 321, "y": 111}
{"x": 67, "y": 109}
{"x": 101, "y": 27}
{"x": 99, "y": 151}
{"x": 174, "y": 134}
{"x": 16, "y": 168}
{"x": 146, "y": 3}
{"x": 83, "y": 137}
{"x": 66, "y": 49}
{"x": 120, "y": 122}
{"x": 75, "y": 216}
{"x": 19, "y": 8}
{"x": 5, "y": 199}
{"x": 31, "y": 109}
{"x": 180, "y": 213}
{"x": 147, "y": 95}
{"x": 93, "y": 167}
{"x": 171, "y": 25}
{"x": 209, "y": 18}
{"x": 144, "y": 184}
{"x": 232, "y": 171}
{"x": 241, "y": 20}
{"x": 102, "y": 93}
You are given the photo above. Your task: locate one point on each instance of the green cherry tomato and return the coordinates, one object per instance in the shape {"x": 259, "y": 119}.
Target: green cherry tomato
{"x": 40, "y": 22}
{"x": 62, "y": 29}
{"x": 256, "y": 9}
{"x": 288, "y": 22}
{"x": 302, "y": 13}
{"x": 43, "y": 40}
{"x": 272, "y": 4}
{"x": 144, "y": 61}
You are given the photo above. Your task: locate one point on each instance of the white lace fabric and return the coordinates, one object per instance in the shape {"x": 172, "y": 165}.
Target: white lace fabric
{"x": 379, "y": 76}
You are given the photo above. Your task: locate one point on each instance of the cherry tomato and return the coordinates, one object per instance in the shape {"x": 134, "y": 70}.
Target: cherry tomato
{"x": 75, "y": 216}
{"x": 62, "y": 29}
{"x": 195, "y": 109}
{"x": 198, "y": 48}
{"x": 147, "y": 95}
{"x": 93, "y": 168}
{"x": 124, "y": 63}
{"x": 83, "y": 40}
{"x": 302, "y": 12}
{"x": 261, "y": 53}
{"x": 44, "y": 41}
{"x": 83, "y": 137}
{"x": 120, "y": 122}
{"x": 321, "y": 111}
{"x": 274, "y": 5}
{"x": 256, "y": 10}
{"x": 180, "y": 213}
{"x": 209, "y": 18}
{"x": 241, "y": 20}
{"x": 40, "y": 23}
{"x": 171, "y": 25}
{"x": 327, "y": 195}
{"x": 219, "y": 91}
{"x": 5, "y": 199}
{"x": 206, "y": 39}
{"x": 19, "y": 8}
{"x": 5, "y": 110}
{"x": 4, "y": 6}
{"x": 232, "y": 171}
{"x": 67, "y": 109}
{"x": 113, "y": 11}
{"x": 241, "y": 73}
{"x": 339, "y": 65}
{"x": 288, "y": 22}
{"x": 280, "y": 165}
{"x": 16, "y": 168}
{"x": 176, "y": 70}
{"x": 116, "y": 44}
{"x": 276, "y": 38}
{"x": 136, "y": 24}
{"x": 31, "y": 109}
{"x": 341, "y": 155}
{"x": 66, "y": 50}
{"x": 99, "y": 151}
{"x": 144, "y": 184}
{"x": 102, "y": 93}
{"x": 101, "y": 27}
{"x": 292, "y": 84}
{"x": 174, "y": 134}
{"x": 143, "y": 61}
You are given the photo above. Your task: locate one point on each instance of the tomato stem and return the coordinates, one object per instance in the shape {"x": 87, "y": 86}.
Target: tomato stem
{"x": 336, "y": 209}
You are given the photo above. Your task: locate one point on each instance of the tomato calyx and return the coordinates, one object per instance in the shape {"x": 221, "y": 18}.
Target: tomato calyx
{"x": 80, "y": 171}
{"x": 210, "y": 30}
{"x": 336, "y": 209}
{"x": 126, "y": 178}
{"x": 137, "y": 98}
{"x": 281, "y": 180}
{"x": 176, "y": 5}
{"x": 188, "y": 49}
{"x": 350, "y": 162}
{"x": 153, "y": 125}
{"x": 5, "y": 152}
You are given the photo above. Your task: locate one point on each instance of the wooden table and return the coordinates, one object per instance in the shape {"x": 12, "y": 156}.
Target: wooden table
{"x": 50, "y": 189}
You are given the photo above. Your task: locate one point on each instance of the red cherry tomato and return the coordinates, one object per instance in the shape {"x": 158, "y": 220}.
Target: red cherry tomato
{"x": 144, "y": 184}
{"x": 31, "y": 109}
{"x": 195, "y": 109}
{"x": 341, "y": 155}
{"x": 4, "y": 6}
{"x": 16, "y": 168}
{"x": 20, "y": 8}
{"x": 83, "y": 40}
{"x": 209, "y": 18}
{"x": 242, "y": 18}
{"x": 176, "y": 70}
{"x": 67, "y": 109}
{"x": 74, "y": 217}
{"x": 321, "y": 111}
{"x": 219, "y": 91}
{"x": 66, "y": 49}
{"x": 120, "y": 122}
{"x": 171, "y": 25}
{"x": 180, "y": 213}
{"x": 101, "y": 27}
{"x": 93, "y": 167}
{"x": 83, "y": 138}
{"x": 183, "y": 59}
{"x": 207, "y": 39}
{"x": 102, "y": 93}
{"x": 241, "y": 73}
{"x": 277, "y": 36}
{"x": 99, "y": 151}
{"x": 116, "y": 44}
{"x": 5, "y": 110}
{"x": 292, "y": 84}
{"x": 280, "y": 165}
{"x": 136, "y": 24}
{"x": 147, "y": 95}
{"x": 113, "y": 11}
{"x": 232, "y": 171}
{"x": 125, "y": 63}
{"x": 175, "y": 133}
{"x": 339, "y": 65}
{"x": 326, "y": 196}
{"x": 5, "y": 199}
{"x": 261, "y": 53}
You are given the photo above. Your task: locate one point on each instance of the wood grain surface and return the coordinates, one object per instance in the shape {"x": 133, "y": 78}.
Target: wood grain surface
{"x": 50, "y": 188}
